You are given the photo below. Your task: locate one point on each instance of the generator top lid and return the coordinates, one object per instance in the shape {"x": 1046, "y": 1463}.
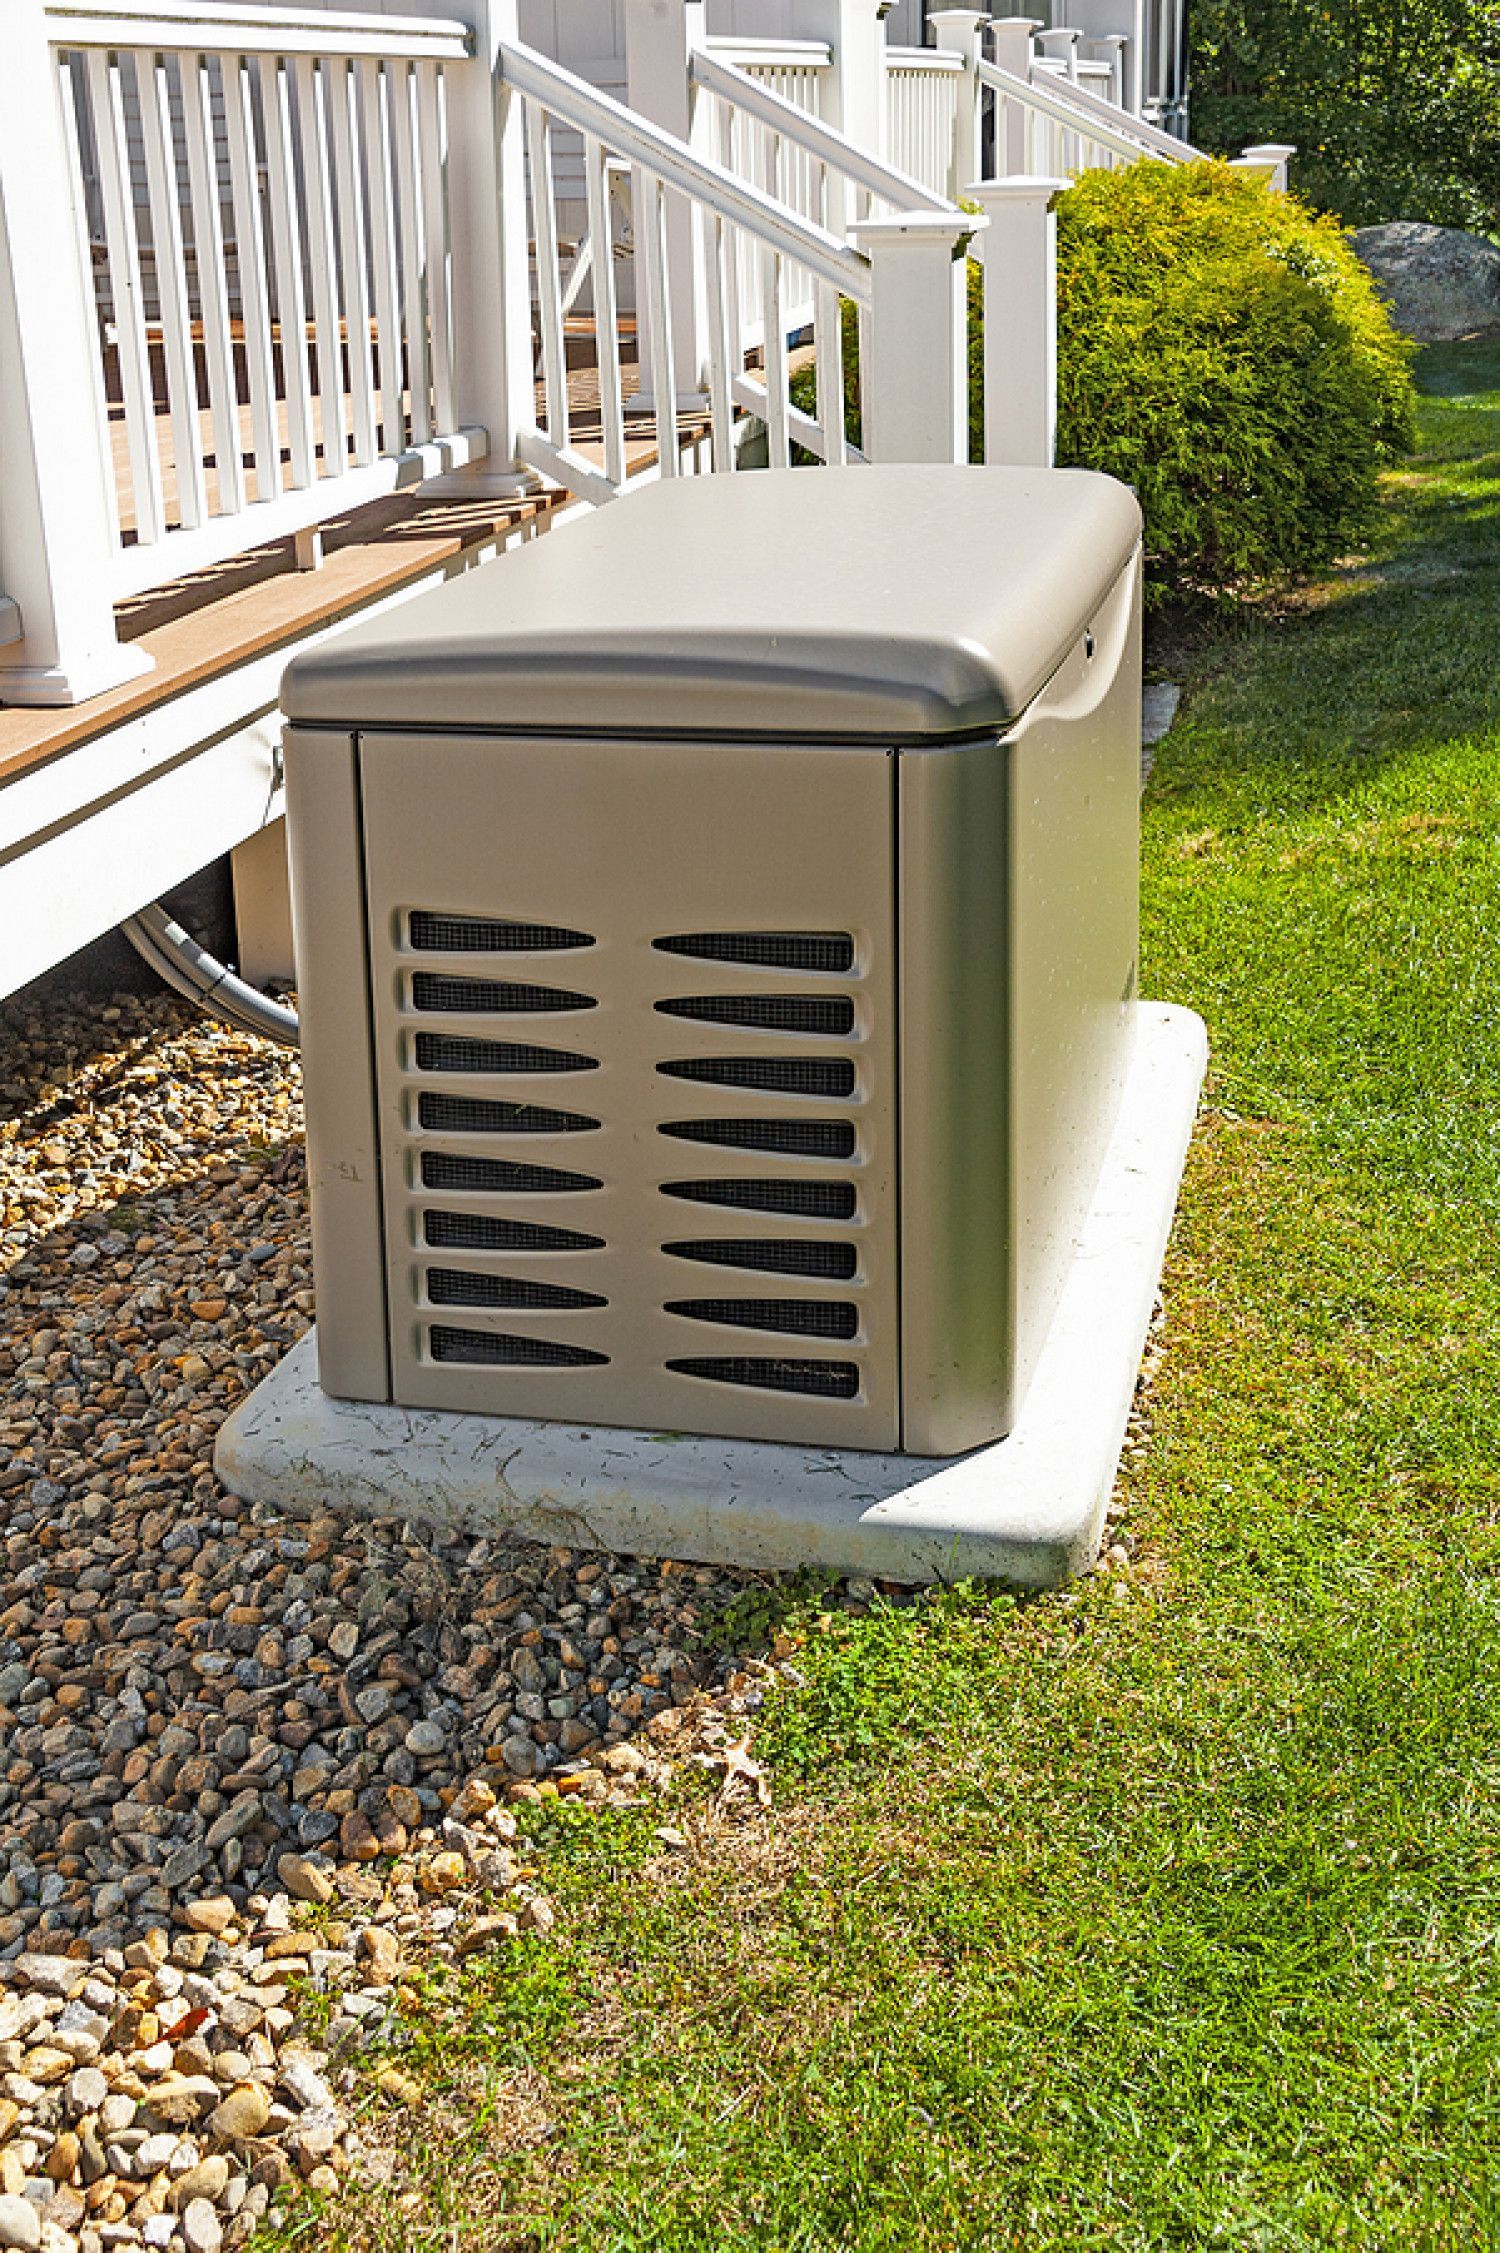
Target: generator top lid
{"x": 891, "y": 602}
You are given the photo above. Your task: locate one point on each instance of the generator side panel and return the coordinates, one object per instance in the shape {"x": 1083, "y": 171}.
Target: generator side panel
{"x": 957, "y": 1313}
{"x": 1017, "y": 913}
{"x": 1073, "y": 877}
{"x": 338, "y": 1065}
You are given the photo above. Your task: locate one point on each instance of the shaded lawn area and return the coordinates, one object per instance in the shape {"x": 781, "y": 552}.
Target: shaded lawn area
{"x": 1161, "y": 1913}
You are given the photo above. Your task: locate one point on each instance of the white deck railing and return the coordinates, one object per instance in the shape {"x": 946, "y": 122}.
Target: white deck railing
{"x": 924, "y": 89}
{"x": 325, "y": 348}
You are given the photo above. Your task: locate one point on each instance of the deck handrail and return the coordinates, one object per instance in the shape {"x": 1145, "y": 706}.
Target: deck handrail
{"x": 583, "y": 107}
{"x": 1151, "y": 137}
{"x": 772, "y": 54}
{"x": 1121, "y": 138}
{"x": 191, "y": 26}
{"x": 882, "y": 180}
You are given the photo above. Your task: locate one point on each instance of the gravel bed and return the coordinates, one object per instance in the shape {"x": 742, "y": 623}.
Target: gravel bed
{"x": 210, "y": 1714}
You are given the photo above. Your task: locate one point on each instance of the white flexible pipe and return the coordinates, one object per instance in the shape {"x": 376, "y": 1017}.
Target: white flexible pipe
{"x": 191, "y": 970}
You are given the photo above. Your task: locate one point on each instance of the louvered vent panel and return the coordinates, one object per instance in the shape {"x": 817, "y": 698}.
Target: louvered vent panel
{"x": 468, "y": 996}
{"x": 813, "y": 1200}
{"x": 805, "y": 1318}
{"x": 487, "y": 934}
{"x": 830, "y": 1077}
{"x": 459, "y": 1286}
{"x": 497, "y": 1177}
{"x": 494, "y": 1349}
{"x": 772, "y": 1255}
{"x": 828, "y": 1380}
{"x": 450, "y": 1052}
{"x": 470, "y": 1114}
{"x": 487, "y": 1232}
{"x": 831, "y": 1015}
{"x": 831, "y": 951}
{"x": 791, "y": 1138}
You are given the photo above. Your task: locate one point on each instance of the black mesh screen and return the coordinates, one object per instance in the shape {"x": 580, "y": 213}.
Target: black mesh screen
{"x": 811, "y": 1200}
{"x": 804, "y": 1318}
{"x": 493, "y": 1349}
{"x": 829, "y": 1014}
{"x": 772, "y": 1255}
{"x": 486, "y": 1232}
{"x": 457, "y": 1286}
{"x": 487, "y": 934}
{"x": 832, "y": 1380}
{"x": 827, "y": 1076}
{"x": 772, "y": 950}
{"x": 450, "y": 1052}
{"x": 798, "y": 1138}
{"x": 430, "y": 990}
{"x": 440, "y": 1170}
{"x": 468, "y": 1114}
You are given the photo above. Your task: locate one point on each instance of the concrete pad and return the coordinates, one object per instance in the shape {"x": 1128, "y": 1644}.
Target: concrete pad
{"x": 1028, "y": 1509}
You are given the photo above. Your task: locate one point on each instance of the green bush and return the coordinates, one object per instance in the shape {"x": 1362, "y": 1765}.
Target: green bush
{"x": 1222, "y": 350}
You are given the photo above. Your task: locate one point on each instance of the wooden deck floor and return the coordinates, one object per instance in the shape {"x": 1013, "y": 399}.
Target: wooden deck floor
{"x": 208, "y": 623}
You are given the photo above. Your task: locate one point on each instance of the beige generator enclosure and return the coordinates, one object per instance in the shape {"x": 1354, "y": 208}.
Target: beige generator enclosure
{"x": 716, "y": 940}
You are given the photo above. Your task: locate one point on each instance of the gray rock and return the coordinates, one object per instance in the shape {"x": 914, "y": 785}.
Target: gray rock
{"x": 1441, "y": 283}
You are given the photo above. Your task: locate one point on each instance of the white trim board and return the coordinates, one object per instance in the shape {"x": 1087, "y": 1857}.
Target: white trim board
{"x": 1028, "y": 1509}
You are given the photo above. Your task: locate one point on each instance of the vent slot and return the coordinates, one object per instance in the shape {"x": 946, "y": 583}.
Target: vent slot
{"x": 771, "y": 1255}
{"x": 827, "y": 1076}
{"x": 430, "y": 933}
{"x": 486, "y": 1232}
{"x": 457, "y": 1286}
{"x": 803, "y": 1318}
{"x": 468, "y": 1114}
{"x": 828, "y": 951}
{"x": 810, "y": 1200}
{"x": 492, "y": 1349}
{"x": 830, "y": 1380}
{"x": 440, "y": 1170}
{"x": 831, "y": 1015}
{"x": 430, "y": 990}
{"x": 797, "y": 1138}
{"x": 450, "y": 1052}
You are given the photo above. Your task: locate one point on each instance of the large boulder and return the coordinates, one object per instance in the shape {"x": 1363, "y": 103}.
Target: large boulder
{"x": 1441, "y": 282}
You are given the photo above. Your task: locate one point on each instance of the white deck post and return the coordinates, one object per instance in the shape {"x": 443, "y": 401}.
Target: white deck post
{"x": 854, "y": 89}
{"x": 1271, "y": 157}
{"x": 493, "y": 374}
{"x": 959, "y": 31}
{"x": 1010, "y": 47}
{"x": 58, "y": 535}
{"x": 914, "y": 372}
{"x": 659, "y": 37}
{"x": 1019, "y": 250}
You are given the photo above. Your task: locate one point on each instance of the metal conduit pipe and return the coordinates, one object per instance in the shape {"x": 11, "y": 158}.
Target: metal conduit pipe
{"x": 176, "y": 957}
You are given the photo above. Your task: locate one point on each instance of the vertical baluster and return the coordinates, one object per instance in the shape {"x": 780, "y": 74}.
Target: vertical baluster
{"x": 322, "y": 260}
{"x": 549, "y": 280}
{"x": 774, "y": 319}
{"x": 343, "y": 118}
{"x": 434, "y": 154}
{"x": 606, "y": 316}
{"x": 124, "y": 256}
{"x": 828, "y": 349}
{"x": 718, "y": 259}
{"x": 649, "y": 227}
{"x": 213, "y": 282}
{"x": 74, "y": 135}
{"x": 153, "y": 91}
{"x": 286, "y": 242}
{"x": 250, "y": 253}
{"x": 375, "y": 106}
{"x": 413, "y": 252}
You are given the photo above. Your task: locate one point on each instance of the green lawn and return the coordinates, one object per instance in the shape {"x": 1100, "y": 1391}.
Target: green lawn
{"x": 1161, "y": 1913}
